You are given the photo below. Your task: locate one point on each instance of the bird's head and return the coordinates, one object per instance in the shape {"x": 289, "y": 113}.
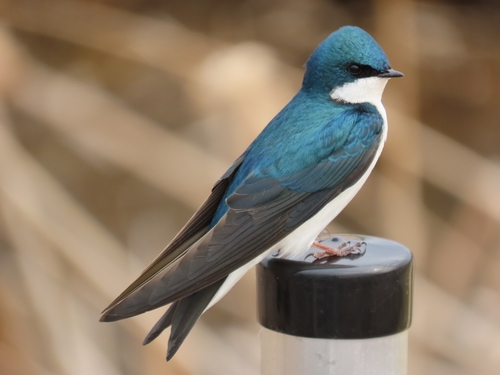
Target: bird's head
{"x": 349, "y": 66}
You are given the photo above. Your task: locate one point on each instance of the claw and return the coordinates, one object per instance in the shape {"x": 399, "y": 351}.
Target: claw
{"x": 343, "y": 250}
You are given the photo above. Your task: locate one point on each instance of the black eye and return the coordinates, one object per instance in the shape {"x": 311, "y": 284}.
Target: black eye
{"x": 354, "y": 69}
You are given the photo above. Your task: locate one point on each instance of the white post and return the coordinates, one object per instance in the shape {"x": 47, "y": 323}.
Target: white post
{"x": 292, "y": 355}
{"x": 340, "y": 316}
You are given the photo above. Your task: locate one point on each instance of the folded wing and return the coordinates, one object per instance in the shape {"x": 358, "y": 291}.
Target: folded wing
{"x": 262, "y": 211}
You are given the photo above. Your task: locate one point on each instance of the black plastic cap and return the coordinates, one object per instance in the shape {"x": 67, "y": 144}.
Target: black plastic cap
{"x": 354, "y": 297}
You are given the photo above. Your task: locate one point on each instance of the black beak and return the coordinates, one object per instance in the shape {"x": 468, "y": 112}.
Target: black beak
{"x": 390, "y": 73}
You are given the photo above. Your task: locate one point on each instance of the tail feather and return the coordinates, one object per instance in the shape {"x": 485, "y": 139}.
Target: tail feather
{"x": 187, "y": 312}
{"x": 182, "y": 315}
{"x": 162, "y": 324}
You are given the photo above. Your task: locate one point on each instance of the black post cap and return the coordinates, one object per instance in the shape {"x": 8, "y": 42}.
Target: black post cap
{"x": 353, "y": 297}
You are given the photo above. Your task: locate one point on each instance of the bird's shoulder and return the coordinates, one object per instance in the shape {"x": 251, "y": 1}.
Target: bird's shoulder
{"x": 306, "y": 134}
{"x": 329, "y": 156}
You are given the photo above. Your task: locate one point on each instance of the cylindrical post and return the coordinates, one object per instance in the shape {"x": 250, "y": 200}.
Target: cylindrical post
{"x": 334, "y": 316}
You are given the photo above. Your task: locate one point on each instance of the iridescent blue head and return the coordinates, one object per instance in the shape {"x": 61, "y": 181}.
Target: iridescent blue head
{"x": 346, "y": 56}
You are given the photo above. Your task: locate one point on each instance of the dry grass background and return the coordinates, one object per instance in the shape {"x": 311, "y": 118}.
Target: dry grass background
{"x": 117, "y": 116}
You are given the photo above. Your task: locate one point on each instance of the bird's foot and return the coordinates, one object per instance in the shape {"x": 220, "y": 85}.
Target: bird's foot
{"x": 343, "y": 250}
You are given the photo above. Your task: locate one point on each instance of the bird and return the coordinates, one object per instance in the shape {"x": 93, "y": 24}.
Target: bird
{"x": 287, "y": 186}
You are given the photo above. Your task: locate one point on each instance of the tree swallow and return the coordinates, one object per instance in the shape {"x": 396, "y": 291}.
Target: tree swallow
{"x": 277, "y": 197}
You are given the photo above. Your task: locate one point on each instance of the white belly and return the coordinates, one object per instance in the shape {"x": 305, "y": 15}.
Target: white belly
{"x": 302, "y": 238}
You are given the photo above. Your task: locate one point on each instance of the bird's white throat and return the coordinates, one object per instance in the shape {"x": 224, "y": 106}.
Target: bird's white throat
{"x": 363, "y": 90}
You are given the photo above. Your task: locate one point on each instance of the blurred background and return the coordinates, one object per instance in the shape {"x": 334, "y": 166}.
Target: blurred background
{"x": 117, "y": 116}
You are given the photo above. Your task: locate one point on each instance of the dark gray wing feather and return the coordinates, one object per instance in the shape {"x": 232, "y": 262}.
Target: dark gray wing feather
{"x": 194, "y": 229}
{"x": 261, "y": 213}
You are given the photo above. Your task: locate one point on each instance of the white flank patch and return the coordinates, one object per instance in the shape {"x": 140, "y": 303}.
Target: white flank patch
{"x": 363, "y": 90}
